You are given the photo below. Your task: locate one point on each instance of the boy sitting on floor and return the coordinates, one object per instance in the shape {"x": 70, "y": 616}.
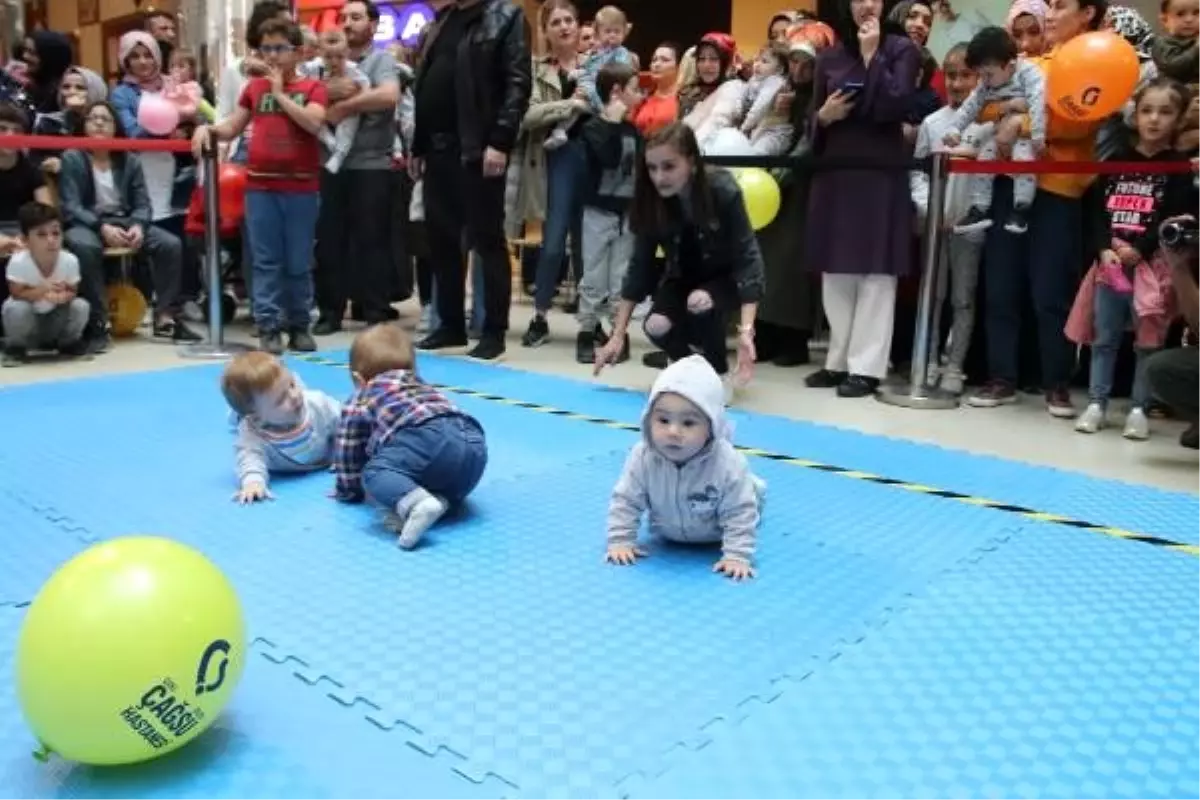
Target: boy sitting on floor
{"x": 43, "y": 311}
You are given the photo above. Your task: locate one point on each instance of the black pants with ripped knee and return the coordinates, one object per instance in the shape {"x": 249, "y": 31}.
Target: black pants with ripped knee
{"x": 689, "y": 332}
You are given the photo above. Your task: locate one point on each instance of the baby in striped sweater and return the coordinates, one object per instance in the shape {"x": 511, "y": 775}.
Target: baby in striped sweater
{"x": 281, "y": 426}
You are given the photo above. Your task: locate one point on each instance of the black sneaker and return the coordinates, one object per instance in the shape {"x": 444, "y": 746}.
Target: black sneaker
{"x": 826, "y": 379}
{"x": 326, "y": 326}
{"x": 443, "y": 341}
{"x": 97, "y": 344}
{"x": 301, "y": 341}
{"x": 993, "y": 394}
{"x": 601, "y": 337}
{"x": 490, "y": 348}
{"x": 585, "y": 347}
{"x": 1190, "y": 438}
{"x": 184, "y": 333}
{"x": 537, "y": 334}
{"x": 1018, "y": 220}
{"x": 271, "y": 342}
{"x": 74, "y": 349}
{"x": 976, "y": 219}
{"x": 14, "y": 357}
{"x": 654, "y": 360}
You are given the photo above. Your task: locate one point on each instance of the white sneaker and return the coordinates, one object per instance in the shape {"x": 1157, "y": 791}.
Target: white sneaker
{"x": 953, "y": 381}
{"x": 1137, "y": 426}
{"x": 1091, "y": 420}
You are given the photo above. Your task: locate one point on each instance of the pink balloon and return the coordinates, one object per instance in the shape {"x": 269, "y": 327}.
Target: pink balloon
{"x": 157, "y": 116}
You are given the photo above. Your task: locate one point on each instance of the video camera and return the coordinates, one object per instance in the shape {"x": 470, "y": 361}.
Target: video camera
{"x": 1179, "y": 234}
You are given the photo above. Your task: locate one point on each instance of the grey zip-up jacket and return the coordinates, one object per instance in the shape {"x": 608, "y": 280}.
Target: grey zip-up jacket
{"x": 712, "y": 497}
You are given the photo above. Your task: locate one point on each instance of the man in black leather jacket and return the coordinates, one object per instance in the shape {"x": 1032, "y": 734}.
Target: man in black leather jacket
{"x": 472, "y": 89}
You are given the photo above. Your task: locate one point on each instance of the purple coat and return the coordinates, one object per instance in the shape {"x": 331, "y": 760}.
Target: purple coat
{"x": 861, "y": 222}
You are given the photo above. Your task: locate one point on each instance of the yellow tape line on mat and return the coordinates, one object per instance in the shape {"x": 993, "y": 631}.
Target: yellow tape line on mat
{"x": 1020, "y": 511}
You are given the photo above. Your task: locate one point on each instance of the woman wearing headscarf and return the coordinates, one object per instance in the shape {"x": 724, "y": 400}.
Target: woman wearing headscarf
{"x": 78, "y": 89}
{"x": 1026, "y": 23}
{"x": 713, "y": 95}
{"x": 787, "y": 313}
{"x": 860, "y": 221}
{"x": 169, "y": 178}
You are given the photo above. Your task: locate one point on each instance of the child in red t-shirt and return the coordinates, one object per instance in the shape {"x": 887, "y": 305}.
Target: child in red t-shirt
{"x": 282, "y": 189}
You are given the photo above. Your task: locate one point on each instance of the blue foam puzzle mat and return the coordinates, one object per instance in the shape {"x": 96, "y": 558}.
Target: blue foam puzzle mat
{"x": 503, "y": 658}
{"x": 1139, "y": 508}
{"x": 34, "y": 542}
{"x": 1050, "y": 669}
{"x": 272, "y": 741}
{"x": 528, "y": 693}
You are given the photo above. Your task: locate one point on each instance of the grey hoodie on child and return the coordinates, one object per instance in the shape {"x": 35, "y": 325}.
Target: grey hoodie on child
{"x": 709, "y": 498}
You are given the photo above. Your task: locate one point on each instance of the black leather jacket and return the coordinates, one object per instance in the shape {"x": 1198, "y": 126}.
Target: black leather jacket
{"x": 727, "y": 249}
{"x": 493, "y": 77}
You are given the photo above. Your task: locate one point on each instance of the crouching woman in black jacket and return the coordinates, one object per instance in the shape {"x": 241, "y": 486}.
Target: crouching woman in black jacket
{"x": 711, "y": 263}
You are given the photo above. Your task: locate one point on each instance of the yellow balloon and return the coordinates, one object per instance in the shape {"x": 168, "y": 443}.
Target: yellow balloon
{"x": 129, "y": 651}
{"x": 126, "y": 309}
{"x": 761, "y": 195}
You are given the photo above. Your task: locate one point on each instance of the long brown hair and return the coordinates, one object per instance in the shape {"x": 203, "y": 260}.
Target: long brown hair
{"x": 650, "y": 213}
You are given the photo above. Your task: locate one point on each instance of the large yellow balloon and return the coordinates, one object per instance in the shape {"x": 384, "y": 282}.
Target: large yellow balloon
{"x": 761, "y": 195}
{"x": 126, "y": 309}
{"x": 129, "y": 651}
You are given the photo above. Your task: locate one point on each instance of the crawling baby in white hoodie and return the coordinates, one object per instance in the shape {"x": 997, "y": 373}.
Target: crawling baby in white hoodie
{"x": 686, "y": 473}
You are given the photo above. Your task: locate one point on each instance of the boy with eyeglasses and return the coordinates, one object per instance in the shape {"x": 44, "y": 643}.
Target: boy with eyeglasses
{"x": 283, "y": 168}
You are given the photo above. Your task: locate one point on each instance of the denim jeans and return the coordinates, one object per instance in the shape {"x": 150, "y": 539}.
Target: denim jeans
{"x": 477, "y": 312}
{"x": 445, "y": 456}
{"x": 566, "y": 169}
{"x": 1046, "y": 262}
{"x": 1112, "y": 313}
{"x": 282, "y": 229}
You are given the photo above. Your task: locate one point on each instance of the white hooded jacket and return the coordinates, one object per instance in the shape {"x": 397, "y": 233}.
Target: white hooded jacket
{"x": 711, "y": 497}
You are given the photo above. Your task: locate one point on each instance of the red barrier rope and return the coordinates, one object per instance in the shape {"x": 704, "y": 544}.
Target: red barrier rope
{"x": 93, "y": 143}
{"x": 965, "y": 166}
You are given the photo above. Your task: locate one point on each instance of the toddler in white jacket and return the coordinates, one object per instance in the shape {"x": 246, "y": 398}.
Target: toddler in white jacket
{"x": 687, "y": 475}
{"x": 281, "y": 426}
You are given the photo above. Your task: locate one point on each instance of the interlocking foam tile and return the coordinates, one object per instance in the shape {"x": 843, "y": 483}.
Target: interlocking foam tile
{"x": 1140, "y": 508}
{"x": 280, "y": 737}
{"x": 34, "y": 543}
{"x": 1055, "y": 667}
{"x": 170, "y": 430}
{"x": 508, "y": 642}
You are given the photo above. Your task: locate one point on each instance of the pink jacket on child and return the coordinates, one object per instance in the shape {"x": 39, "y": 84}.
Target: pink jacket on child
{"x": 1153, "y": 304}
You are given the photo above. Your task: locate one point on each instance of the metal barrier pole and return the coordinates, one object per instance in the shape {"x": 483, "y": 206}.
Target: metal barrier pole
{"x": 215, "y": 348}
{"x": 917, "y": 393}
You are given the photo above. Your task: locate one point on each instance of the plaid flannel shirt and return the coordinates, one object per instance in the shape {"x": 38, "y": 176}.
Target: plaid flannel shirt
{"x": 389, "y": 402}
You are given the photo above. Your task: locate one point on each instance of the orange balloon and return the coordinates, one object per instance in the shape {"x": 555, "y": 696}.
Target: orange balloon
{"x": 1092, "y": 76}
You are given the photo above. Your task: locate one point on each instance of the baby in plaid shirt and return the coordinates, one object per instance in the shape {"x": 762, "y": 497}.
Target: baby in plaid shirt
{"x": 400, "y": 442}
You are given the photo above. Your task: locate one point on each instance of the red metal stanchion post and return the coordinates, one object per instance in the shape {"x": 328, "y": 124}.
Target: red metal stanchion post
{"x": 917, "y": 393}
{"x": 216, "y": 348}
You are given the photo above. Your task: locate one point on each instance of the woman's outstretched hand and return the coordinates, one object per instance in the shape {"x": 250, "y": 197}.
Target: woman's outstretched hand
{"x": 747, "y": 354}
{"x": 609, "y": 353}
